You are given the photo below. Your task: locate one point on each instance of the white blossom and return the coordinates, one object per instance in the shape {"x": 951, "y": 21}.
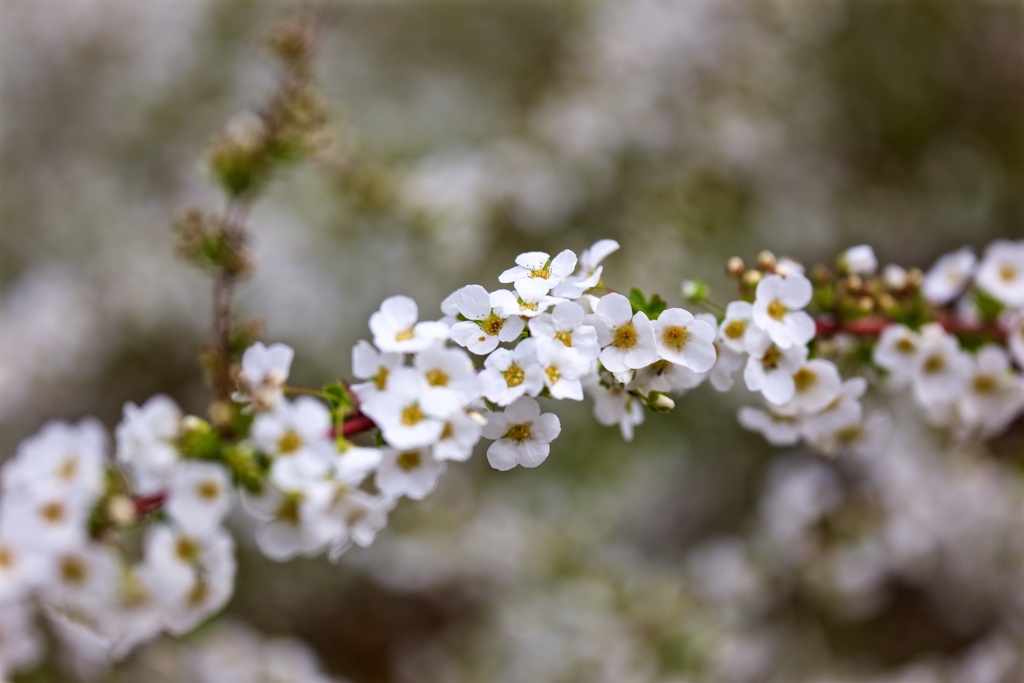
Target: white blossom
{"x": 684, "y": 340}
{"x": 523, "y": 435}
{"x": 627, "y": 340}
{"x": 1001, "y": 273}
{"x": 948, "y": 276}
{"x": 777, "y": 310}
{"x": 483, "y": 328}
{"x": 396, "y": 328}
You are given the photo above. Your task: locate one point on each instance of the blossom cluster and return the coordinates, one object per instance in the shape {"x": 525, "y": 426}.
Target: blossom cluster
{"x": 117, "y": 547}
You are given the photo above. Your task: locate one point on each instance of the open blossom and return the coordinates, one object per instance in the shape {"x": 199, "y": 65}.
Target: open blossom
{"x": 770, "y": 369}
{"x": 941, "y": 369}
{"x": 614, "y": 405}
{"x": 396, "y": 328}
{"x": 682, "y": 339}
{"x": 565, "y": 324}
{"x": 145, "y": 442}
{"x": 198, "y": 496}
{"x": 540, "y": 266}
{"x": 777, "y": 310}
{"x": 460, "y": 434}
{"x": 588, "y": 274}
{"x": 948, "y": 276}
{"x": 484, "y": 327}
{"x": 562, "y": 370}
{"x": 523, "y": 435}
{"x": 264, "y": 372}
{"x": 449, "y": 373}
{"x": 628, "y": 339}
{"x": 373, "y": 366}
{"x": 776, "y": 428}
{"x": 530, "y": 299}
{"x": 896, "y": 352}
{"x": 295, "y": 434}
{"x": 409, "y": 414}
{"x": 1001, "y": 273}
{"x": 736, "y": 326}
{"x": 816, "y": 384}
{"x": 411, "y": 472}
{"x": 511, "y": 373}
{"x": 995, "y": 392}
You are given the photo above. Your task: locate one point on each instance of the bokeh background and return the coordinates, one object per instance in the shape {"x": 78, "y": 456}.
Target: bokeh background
{"x": 688, "y": 130}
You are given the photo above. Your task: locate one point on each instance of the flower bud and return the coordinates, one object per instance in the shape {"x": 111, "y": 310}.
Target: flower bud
{"x": 752, "y": 277}
{"x": 766, "y": 261}
{"x": 735, "y": 267}
{"x": 121, "y": 510}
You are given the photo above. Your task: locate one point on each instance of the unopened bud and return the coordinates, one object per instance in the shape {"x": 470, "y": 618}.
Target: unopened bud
{"x": 121, "y": 510}
{"x": 735, "y": 267}
{"x": 663, "y": 402}
{"x": 854, "y": 283}
{"x": 865, "y": 304}
{"x": 915, "y": 277}
{"x": 695, "y": 291}
{"x": 887, "y": 303}
{"x": 821, "y": 275}
{"x": 766, "y": 261}
{"x": 477, "y": 417}
{"x": 220, "y": 412}
{"x": 752, "y": 277}
{"x": 895, "y": 277}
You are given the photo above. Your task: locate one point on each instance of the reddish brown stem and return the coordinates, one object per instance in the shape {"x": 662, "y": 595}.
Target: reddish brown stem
{"x": 145, "y": 505}
{"x": 873, "y": 327}
{"x": 356, "y": 425}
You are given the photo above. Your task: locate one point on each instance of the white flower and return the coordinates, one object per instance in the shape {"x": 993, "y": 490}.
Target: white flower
{"x": 895, "y": 277}
{"x": 995, "y": 392}
{"x": 61, "y": 459}
{"x": 589, "y": 272}
{"x": 145, "y": 442}
{"x": 539, "y": 266}
{"x": 83, "y": 578}
{"x": 562, "y": 370}
{"x": 364, "y": 517}
{"x": 461, "y": 432}
{"x": 408, "y": 413}
{"x": 614, "y": 405}
{"x": 296, "y": 435}
{"x": 395, "y": 327}
{"x": 565, "y": 324}
{"x": 770, "y": 369}
{"x": 353, "y": 465}
{"x": 777, "y": 311}
{"x": 948, "y": 276}
{"x": 1001, "y": 273}
{"x": 373, "y": 366}
{"x": 684, "y": 340}
{"x": 523, "y": 435}
{"x": 664, "y": 376}
{"x": 777, "y": 429}
{"x": 198, "y": 496}
{"x": 449, "y": 372}
{"x": 735, "y": 327}
{"x": 213, "y": 557}
{"x": 509, "y": 374}
{"x": 941, "y": 369}
{"x": 628, "y": 340}
{"x": 896, "y": 352}
{"x": 859, "y": 260}
{"x": 484, "y": 328}
{"x": 296, "y": 522}
{"x": 412, "y": 472}
{"x": 531, "y": 299}
{"x": 816, "y": 385}
{"x": 845, "y": 410}
{"x": 264, "y": 372}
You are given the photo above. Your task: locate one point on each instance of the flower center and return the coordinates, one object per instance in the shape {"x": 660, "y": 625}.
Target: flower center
{"x": 408, "y": 460}
{"x": 553, "y": 373}
{"x": 776, "y": 310}
{"x": 380, "y": 380}
{"x": 771, "y": 357}
{"x": 804, "y": 380}
{"x": 492, "y": 324}
{"x": 735, "y": 329}
{"x": 906, "y": 346}
{"x": 208, "y": 490}
{"x": 72, "y": 570}
{"x": 52, "y": 512}
{"x": 289, "y": 442}
{"x": 288, "y": 510}
{"x": 1008, "y": 273}
{"x": 564, "y": 336}
{"x": 5, "y": 558}
{"x": 984, "y": 384}
{"x": 514, "y": 376}
{"x": 68, "y": 469}
{"x": 519, "y": 432}
{"x": 542, "y": 273}
{"x": 625, "y": 336}
{"x": 935, "y": 363}
{"x": 675, "y": 337}
{"x": 405, "y": 335}
{"x": 448, "y": 431}
{"x": 528, "y": 305}
{"x": 187, "y": 550}
{"x": 437, "y": 378}
{"x": 198, "y": 593}
{"x": 412, "y": 415}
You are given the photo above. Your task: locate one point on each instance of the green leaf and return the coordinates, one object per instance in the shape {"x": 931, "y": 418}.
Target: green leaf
{"x": 652, "y": 307}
